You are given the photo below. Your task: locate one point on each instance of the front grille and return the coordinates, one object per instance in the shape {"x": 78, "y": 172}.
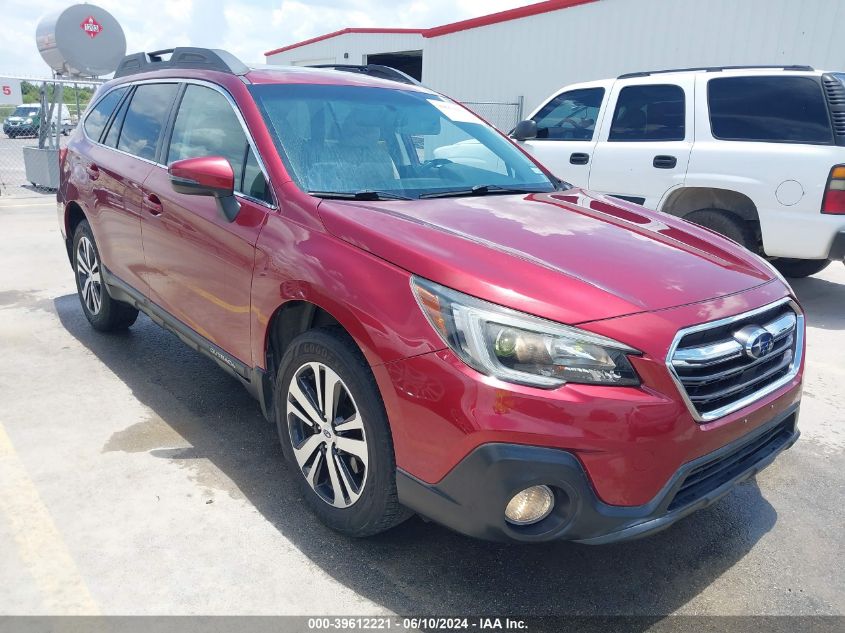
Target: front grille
{"x": 712, "y": 474}
{"x": 717, "y": 368}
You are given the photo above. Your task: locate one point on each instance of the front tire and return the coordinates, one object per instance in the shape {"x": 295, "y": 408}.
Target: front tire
{"x": 103, "y": 313}
{"x": 335, "y": 434}
{"x": 800, "y": 268}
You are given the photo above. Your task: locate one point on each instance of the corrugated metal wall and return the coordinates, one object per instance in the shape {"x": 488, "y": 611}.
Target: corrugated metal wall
{"x": 536, "y": 55}
{"x": 358, "y": 45}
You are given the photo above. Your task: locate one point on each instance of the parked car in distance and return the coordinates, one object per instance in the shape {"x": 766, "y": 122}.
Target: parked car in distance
{"x": 26, "y": 119}
{"x": 756, "y": 154}
{"x": 428, "y": 335}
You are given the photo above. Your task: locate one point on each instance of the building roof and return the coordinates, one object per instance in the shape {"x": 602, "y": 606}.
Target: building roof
{"x": 454, "y": 27}
{"x": 327, "y": 36}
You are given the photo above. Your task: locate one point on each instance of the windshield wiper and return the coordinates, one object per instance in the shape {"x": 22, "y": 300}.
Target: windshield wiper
{"x": 477, "y": 190}
{"x": 363, "y": 194}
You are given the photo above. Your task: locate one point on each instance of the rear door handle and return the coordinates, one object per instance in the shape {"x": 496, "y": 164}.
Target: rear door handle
{"x": 93, "y": 171}
{"x": 152, "y": 204}
{"x": 665, "y": 162}
{"x": 579, "y": 158}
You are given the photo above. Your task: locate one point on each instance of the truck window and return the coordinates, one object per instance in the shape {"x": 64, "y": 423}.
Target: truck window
{"x": 649, "y": 113}
{"x": 769, "y": 109}
{"x": 571, "y": 115}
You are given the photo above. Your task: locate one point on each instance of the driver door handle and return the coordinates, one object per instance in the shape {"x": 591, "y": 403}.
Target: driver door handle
{"x": 579, "y": 158}
{"x": 665, "y": 162}
{"x": 152, "y": 204}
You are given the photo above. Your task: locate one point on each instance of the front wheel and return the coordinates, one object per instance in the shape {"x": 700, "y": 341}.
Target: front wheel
{"x": 799, "y": 268}
{"x": 103, "y": 312}
{"x": 335, "y": 434}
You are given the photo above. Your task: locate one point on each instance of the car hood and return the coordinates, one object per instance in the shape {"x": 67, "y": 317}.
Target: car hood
{"x": 571, "y": 256}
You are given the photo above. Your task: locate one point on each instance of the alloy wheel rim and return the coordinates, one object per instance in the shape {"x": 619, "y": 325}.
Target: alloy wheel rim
{"x": 327, "y": 434}
{"x": 88, "y": 271}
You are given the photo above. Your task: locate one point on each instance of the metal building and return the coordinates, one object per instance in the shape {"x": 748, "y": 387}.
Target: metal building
{"x": 497, "y": 62}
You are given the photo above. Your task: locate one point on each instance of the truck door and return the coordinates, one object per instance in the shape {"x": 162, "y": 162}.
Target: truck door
{"x": 646, "y": 137}
{"x": 566, "y": 127}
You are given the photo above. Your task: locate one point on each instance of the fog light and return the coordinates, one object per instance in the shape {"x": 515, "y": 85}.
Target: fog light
{"x": 531, "y": 505}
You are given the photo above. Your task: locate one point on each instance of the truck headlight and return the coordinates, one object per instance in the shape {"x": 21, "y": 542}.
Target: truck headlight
{"x": 28, "y": 121}
{"x": 521, "y": 348}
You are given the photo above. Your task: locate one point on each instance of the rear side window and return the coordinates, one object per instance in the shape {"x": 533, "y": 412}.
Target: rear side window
{"x": 770, "y": 109}
{"x": 649, "y": 113}
{"x": 97, "y": 119}
{"x": 145, "y": 119}
{"x": 570, "y": 115}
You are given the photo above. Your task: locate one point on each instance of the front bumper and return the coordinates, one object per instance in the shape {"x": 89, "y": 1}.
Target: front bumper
{"x": 472, "y": 497}
{"x": 20, "y": 130}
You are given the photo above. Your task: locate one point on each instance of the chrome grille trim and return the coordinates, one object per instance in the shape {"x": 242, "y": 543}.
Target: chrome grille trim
{"x": 788, "y": 332}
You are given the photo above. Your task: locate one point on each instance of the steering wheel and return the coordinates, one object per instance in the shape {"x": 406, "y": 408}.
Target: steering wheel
{"x": 436, "y": 163}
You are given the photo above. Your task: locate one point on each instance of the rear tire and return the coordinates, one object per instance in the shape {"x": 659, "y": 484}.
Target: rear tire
{"x": 800, "y": 268}
{"x": 726, "y": 223}
{"x": 335, "y": 434}
{"x": 103, "y": 313}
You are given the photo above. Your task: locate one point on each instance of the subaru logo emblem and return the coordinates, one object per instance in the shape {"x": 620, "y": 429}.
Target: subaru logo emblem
{"x": 756, "y": 342}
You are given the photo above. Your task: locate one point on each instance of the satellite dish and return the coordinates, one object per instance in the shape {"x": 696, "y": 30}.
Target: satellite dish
{"x": 81, "y": 41}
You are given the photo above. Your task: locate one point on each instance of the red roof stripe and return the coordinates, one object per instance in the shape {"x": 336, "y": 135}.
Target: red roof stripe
{"x": 454, "y": 27}
{"x": 327, "y": 36}
{"x": 504, "y": 16}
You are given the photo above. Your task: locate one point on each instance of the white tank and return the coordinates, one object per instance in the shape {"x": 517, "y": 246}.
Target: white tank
{"x": 82, "y": 40}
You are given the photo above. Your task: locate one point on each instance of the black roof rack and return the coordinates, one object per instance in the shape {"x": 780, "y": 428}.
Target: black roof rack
{"x": 185, "y": 57}
{"x": 372, "y": 70}
{"x": 713, "y": 69}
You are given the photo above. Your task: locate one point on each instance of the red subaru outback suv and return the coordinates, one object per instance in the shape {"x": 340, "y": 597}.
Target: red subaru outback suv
{"x": 469, "y": 339}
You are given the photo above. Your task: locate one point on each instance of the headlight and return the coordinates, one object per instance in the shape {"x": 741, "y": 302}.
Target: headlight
{"x": 521, "y": 348}
{"x": 28, "y": 121}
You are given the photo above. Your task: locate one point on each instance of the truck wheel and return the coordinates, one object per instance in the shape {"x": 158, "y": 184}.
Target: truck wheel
{"x": 103, "y": 313}
{"x": 725, "y": 223}
{"x": 799, "y": 268}
{"x": 335, "y": 434}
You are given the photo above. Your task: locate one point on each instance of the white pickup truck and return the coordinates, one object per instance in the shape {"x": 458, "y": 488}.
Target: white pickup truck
{"x": 757, "y": 154}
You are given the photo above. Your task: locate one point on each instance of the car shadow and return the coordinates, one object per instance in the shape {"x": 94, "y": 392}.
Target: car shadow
{"x": 822, "y": 301}
{"x": 418, "y": 568}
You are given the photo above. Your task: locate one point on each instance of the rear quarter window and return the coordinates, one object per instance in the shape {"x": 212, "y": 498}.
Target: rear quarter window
{"x": 778, "y": 109}
{"x": 97, "y": 119}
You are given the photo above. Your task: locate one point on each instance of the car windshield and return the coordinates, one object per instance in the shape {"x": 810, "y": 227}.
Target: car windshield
{"x": 25, "y": 111}
{"x": 383, "y": 143}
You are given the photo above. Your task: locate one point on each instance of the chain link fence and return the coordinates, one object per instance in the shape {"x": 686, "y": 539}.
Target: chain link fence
{"x": 501, "y": 115}
{"x": 34, "y": 130}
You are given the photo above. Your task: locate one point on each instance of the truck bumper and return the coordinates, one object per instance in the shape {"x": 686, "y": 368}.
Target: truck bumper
{"x": 837, "y": 249}
{"x": 472, "y": 497}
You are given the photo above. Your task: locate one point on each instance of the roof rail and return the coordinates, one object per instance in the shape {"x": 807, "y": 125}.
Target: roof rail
{"x": 185, "y": 58}
{"x": 713, "y": 69}
{"x": 373, "y": 70}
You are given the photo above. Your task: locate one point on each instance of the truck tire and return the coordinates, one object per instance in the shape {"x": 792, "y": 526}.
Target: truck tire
{"x": 726, "y": 223}
{"x": 799, "y": 268}
{"x": 337, "y": 440}
{"x": 103, "y": 313}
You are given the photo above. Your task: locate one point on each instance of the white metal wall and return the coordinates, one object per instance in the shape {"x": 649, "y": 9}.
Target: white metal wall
{"x": 358, "y": 45}
{"x": 536, "y": 55}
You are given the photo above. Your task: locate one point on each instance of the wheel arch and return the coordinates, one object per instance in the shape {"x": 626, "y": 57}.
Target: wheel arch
{"x": 74, "y": 214}
{"x": 686, "y": 200}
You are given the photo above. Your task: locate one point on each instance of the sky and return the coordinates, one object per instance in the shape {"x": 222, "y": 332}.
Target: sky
{"x": 246, "y": 28}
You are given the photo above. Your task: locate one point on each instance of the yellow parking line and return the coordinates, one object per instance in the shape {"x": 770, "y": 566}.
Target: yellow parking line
{"x": 40, "y": 546}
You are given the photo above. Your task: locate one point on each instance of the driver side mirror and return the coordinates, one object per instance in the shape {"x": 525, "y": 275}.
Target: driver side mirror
{"x": 525, "y": 130}
{"x": 207, "y": 176}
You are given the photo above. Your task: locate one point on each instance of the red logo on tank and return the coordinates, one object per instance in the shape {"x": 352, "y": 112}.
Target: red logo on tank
{"x": 91, "y": 27}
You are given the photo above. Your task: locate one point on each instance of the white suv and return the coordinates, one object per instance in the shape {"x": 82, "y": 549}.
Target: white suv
{"x": 757, "y": 154}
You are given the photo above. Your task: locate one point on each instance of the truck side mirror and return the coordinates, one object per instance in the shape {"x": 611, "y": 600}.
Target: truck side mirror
{"x": 525, "y": 130}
